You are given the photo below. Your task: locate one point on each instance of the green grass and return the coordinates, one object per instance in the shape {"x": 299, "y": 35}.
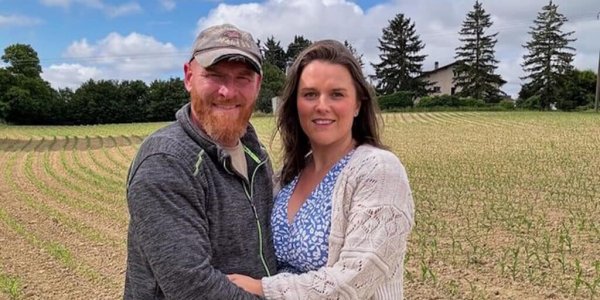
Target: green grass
{"x": 11, "y": 286}
{"x": 38, "y": 132}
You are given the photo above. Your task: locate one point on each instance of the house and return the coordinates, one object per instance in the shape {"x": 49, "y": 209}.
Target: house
{"x": 442, "y": 79}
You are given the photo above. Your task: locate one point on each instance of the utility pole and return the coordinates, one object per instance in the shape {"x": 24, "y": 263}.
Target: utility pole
{"x": 598, "y": 82}
{"x": 598, "y": 77}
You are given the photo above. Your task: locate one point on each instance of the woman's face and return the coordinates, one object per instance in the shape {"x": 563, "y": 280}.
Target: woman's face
{"x": 327, "y": 104}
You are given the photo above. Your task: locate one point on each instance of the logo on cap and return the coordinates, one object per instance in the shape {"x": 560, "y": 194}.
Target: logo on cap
{"x": 234, "y": 38}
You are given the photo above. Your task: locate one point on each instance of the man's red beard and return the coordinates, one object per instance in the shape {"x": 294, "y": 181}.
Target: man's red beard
{"x": 223, "y": 128}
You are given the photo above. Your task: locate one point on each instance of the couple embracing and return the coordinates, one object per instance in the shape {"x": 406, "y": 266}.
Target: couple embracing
{"x": 209, "y": 219}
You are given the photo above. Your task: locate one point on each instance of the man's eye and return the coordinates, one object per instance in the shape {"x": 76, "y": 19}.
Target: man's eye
{"x": 213, "y": 75}
{"x": 243, "y": 79}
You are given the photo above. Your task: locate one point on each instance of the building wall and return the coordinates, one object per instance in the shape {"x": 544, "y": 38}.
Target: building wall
{"x": 442, "y": 80}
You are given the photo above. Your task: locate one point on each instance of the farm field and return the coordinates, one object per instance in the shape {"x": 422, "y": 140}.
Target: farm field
{"x": 507, "y": 205}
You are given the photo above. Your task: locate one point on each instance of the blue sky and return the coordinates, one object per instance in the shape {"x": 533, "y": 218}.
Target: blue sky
{"x": 81, "y": 39}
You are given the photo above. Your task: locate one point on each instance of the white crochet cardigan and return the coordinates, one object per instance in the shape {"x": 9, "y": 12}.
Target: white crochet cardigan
{"x": 372, "y": 216}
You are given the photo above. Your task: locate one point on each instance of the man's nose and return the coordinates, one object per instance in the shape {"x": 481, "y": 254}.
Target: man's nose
{"x": 226, "y": 89}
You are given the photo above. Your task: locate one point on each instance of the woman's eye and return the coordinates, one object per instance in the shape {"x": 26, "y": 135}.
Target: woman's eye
{"x": 310, "y": 95}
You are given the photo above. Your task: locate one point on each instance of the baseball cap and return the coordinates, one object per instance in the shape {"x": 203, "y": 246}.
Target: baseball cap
{"x": 226, "y": 41}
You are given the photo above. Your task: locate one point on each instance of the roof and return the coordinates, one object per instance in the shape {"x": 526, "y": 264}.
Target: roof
{"x": 425, "y": 73}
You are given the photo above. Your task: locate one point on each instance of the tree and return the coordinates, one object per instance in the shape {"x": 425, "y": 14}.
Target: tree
{"x": 359, "y": 57}
{"x": 274, "y": 54}
{"x": 579, "y": 90}
{"x": 31, "y": 101}
{"x": 23, "y": 60}
{"x": 474, "y": 73}
{"x": 6, "y": 81}
{"x": 164, "y": 99}
{"x": 548, "y": 62}
{"x": 295, "y": 47}
{"x": 273, "y": 81}
{"x": 96, "y": 102}
{"x": 64, "y": 99}
{"x": 401, "y": 65}
{"x": 132, "y": 102}
{"x": 25, "y": 98}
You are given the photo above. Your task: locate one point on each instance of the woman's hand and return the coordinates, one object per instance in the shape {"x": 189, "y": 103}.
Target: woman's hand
{"x": 247, "y": 283}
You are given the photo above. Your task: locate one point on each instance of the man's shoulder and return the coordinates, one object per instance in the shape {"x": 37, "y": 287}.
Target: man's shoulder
{"x": 170, "y": 140}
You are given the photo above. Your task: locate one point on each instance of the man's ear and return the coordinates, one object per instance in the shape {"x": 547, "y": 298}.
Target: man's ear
{"x": 258, "y": 84}
{"x": 259, "y": 81}
{"x": 187, "y": 75}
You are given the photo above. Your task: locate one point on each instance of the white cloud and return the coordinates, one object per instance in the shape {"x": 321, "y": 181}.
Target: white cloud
{"x": 168, "y": 4}
{"x": 123, "y": 10}
{"x": 137, "y": 53}
{"x": 70, "y": 75}
{"x": 112, "y": 11}
{"x": 437, "y": 22}
{"x": 67, "y": 3}
{"x": 60, "y": 3}
{"x": 80, "y": 49}
{"x": 135, "y": 56}
{"x": 18, "y": 21}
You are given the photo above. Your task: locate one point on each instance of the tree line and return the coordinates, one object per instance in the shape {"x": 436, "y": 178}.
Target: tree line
{"x": 550, "y": 80}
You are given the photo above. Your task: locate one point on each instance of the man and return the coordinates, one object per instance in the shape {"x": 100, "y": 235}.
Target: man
{"x": 199, "y": 190}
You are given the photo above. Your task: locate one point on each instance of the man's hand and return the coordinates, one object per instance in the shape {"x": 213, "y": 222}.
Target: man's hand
{"x": 247, "y": 283}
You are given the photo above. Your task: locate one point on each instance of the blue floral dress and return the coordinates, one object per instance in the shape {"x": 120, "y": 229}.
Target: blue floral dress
{"x": 302, "y": 245}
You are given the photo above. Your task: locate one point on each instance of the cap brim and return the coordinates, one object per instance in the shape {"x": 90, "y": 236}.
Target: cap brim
{"x": 211, "y": 57}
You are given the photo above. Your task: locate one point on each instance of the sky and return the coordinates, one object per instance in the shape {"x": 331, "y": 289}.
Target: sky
{"x": 128, "y": 40}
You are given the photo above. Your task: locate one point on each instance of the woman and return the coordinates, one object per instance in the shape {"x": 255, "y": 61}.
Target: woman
{"x": 343, "y": 215}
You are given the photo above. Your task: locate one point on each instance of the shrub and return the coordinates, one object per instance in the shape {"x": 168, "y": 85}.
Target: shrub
{"x": 443, "y": 100}
{"x": 396, "y": 100}
{"x": 471, "y": 102}
{"x": 532, "y": 102}
{"x": 507, "y": 104}
{"x": 449, "y": 101}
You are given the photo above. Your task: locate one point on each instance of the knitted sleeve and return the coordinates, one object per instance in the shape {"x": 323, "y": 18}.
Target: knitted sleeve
{"x": 371, "y": 222}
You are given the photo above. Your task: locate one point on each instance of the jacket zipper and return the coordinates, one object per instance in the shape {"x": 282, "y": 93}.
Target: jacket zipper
{"x": 249, "y": 183}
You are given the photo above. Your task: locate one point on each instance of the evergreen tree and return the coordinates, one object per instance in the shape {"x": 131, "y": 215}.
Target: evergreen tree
{"x": 274, "y": 53}
{"x": 474, "y": 73}
{"x": 295, "y": 47}
{"x": 548, "y": 62}
{"x": 272, "y": 84}
{"x": 401, "y": 65}
{"x": 358, "y": 57}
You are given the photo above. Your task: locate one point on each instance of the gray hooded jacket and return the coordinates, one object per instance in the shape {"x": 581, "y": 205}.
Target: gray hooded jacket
{"x": 192, "y": 219}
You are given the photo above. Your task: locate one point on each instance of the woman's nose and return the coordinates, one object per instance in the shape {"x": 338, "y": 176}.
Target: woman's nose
{"x": 321, "y": 104}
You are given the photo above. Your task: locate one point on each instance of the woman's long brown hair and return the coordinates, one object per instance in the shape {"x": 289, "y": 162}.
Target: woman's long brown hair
{"x": 365, "y": 128}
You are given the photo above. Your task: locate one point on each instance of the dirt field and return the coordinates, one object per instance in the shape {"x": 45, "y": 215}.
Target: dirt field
{"x": 507, "y": 204}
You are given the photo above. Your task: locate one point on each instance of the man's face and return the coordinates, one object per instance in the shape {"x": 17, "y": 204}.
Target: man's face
{"x": 223, "y": 97}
